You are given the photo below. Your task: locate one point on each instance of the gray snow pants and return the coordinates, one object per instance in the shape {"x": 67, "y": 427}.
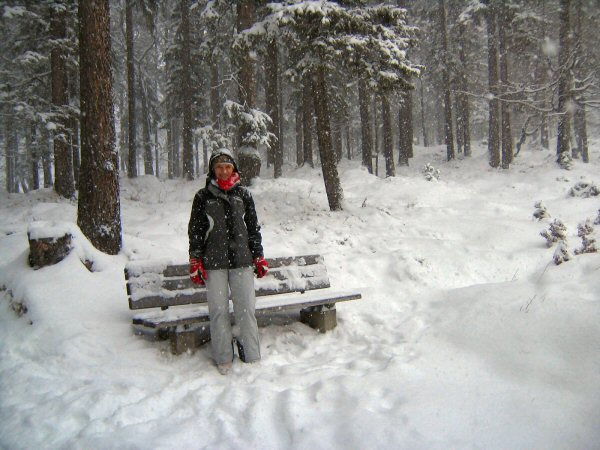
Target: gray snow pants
{"x": 241, "y": 283}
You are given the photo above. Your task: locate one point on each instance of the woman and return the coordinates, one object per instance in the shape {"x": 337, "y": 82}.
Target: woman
{"x": 225, "y": 245}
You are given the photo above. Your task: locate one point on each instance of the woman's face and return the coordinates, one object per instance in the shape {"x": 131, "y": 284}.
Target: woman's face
{"x": 223, "y": 171}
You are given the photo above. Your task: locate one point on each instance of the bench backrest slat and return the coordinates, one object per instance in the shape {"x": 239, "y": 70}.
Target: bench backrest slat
{"x": 182, "y": 270}
{"x": 281, "y": 273}
{"x": 153, "y": 285}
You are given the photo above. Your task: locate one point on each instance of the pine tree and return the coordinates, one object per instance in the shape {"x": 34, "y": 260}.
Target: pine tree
{"x": 98, "y": 213}
{"x": 448, "y": 132}
{"x": 506, "y": 139}
{"x": 329, "y": 38}
{"x": 63, "y": 155}
{"x": 493, "y": 82}
{"x": 365, "y": 124}
{"x": 564, "y": 129}
{"x": 132, "y": 171}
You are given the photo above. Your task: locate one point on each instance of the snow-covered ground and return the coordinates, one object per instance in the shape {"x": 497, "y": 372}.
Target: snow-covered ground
{"x": 468, "y": 335}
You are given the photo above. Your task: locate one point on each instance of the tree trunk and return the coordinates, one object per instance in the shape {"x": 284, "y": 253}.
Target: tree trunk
{"x": 366, "y": 135}
{"x": 494, "y": 119}
{"x": 11, "y": 144}
{"x": 349, "y": 145}
{"x": 405, "y": 120}
{"x": 187, "y": 94}
{"x": 336, "y": 137}
{"x": 75, "y": 149}
{"x": 544, "y": 132}
{"x": 247, "y": 91}
{"x": 463, "y": 100}
{"x": 132, "y": 171}
{"x": 74, "y": 126}
{"x": 249, "y": 158}
{"x": 215, "y": 95}
{"x": 388, "y": 137}
{"x": 205, "y": 158}
{"x": 63, "y": 158}
{"x": 579, "y": 119}
{"x": 147, "y": 144}
{"x": 423, "y": 115}
{"x": 46, "y": 159}
{"x": 440, "y": 118}
{"x": 540, "y": 73}
{"x": 564, "y": 131}
{"x": 170, "y": 168}
{"x": 176, "y": 135}
{"x": 98, "y": 213}
{"x": 123, "y": 133}
{"x": 448, "y": 133}
{"x": 272, "y": 101}
{"x": 299, "y": 142}
{"x": 196, "y": 156}
{"x": 580, "y": 129}
{"x": 156, "y": 147}
{"x": 333, "y": 187}
{"x": 155, "y": 117}
{"x": 33, "y": 145}
{"x": 507, "y": 140}
{"x": 376, "y": 133}
{"x": 405, "y": 128}
{"x": 307, "y": 120}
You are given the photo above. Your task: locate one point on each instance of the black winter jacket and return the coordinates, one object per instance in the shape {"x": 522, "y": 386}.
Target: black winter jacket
{"x": 223, "y": 228}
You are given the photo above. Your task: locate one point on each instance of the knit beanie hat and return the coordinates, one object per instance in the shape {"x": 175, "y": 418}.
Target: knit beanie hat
{"x": 222, "y": 155}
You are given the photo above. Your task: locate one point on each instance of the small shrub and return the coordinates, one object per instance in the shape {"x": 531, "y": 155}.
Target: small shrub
{"x": 565, "y": 161}
{"x": 588, "y": 241}
{"x": 431, "y": 174}
{"x": 555, "y": 233}
{"x": 584, "y": 189}
{"x": 540, "y": 211}
{"x": 561, "y": 254}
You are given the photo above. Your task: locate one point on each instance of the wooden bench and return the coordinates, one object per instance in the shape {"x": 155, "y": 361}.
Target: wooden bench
{"x": 299, "y": 282}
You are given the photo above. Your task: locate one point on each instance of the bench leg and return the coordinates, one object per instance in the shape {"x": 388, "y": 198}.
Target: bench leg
{"x": 163, "y": 334}
{"x": 182, "y": 340}
{"x": 322, "y": 317}
{"x": 203, "y": 334}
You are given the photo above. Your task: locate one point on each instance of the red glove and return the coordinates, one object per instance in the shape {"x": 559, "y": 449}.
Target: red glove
{"x": 197, "y": 272}
{"x": 261, "y": 266}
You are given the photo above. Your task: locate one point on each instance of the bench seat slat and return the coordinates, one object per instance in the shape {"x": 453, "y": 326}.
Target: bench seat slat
{"x": 280, "y": 302}
{"x": 199, "y": 295}
{"x": 158, "y": 301}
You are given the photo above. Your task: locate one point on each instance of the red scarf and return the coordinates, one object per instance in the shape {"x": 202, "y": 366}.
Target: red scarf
{"x": 229, "y": 183}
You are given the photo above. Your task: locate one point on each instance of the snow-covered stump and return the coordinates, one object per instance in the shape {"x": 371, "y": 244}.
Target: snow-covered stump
{"x": 249, "y": 164}
{"x": 47, "y": 245}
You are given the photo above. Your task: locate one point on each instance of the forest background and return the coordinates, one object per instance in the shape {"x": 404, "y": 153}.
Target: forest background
{"x": 91, "y": 90}
{"x": 472, "y": 331}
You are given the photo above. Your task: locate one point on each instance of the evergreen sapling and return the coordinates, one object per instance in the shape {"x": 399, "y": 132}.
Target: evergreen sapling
{"x": 431, "y": 173}
{"x": 584, "y": 189}
{"x": 586, "y": 232}
{"x": 540, "y": 211}
{"x": 561, "y": 254}
{"x": 555, "y": 233}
